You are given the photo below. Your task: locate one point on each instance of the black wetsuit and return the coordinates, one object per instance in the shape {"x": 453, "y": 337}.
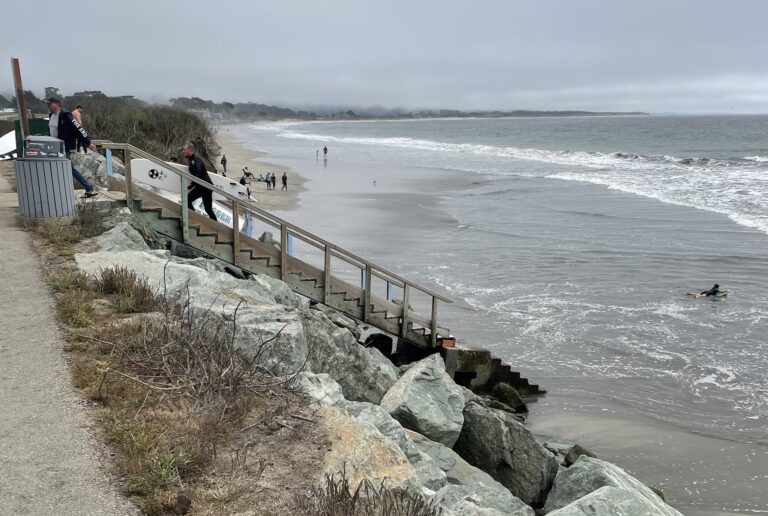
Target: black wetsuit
{"x": 711, "y": 292}
{"x": 197, "y": 169}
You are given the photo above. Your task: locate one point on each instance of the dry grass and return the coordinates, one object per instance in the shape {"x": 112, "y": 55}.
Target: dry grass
{"x": 129, "y": 292}
{"x": 194, "y": 427}
{"x": 336, "y": 498}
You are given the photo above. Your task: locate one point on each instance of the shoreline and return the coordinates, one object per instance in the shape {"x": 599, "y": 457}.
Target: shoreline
{"x": 239, "y": 155}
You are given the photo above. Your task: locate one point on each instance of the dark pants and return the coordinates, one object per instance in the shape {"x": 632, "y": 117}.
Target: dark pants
{"x": 199, "y": 192}
{"x": 79, "y": 177}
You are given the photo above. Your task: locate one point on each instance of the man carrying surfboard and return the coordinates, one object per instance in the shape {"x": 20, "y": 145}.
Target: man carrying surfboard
{"x": 196, "y": 191}
{"x": 64, "y": 126}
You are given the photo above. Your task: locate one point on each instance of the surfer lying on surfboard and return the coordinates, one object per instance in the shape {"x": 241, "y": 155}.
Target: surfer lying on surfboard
{"x": 713, "y": 292}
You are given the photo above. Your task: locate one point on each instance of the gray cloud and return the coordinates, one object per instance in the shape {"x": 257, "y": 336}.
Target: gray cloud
{"x": 660, "y": 56}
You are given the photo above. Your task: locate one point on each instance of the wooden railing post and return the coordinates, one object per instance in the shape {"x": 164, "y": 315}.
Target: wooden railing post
{"x": 406, "y": 295}
{"x": 128, "y": 179}
{"x": 184, "y": 210}
{"x": 367, "y": 293}
{"x": 283, "y": 252}
{"x": 236, "y": 233}
{"x": 433, "y": 323}
{"x": 327, "y": 275}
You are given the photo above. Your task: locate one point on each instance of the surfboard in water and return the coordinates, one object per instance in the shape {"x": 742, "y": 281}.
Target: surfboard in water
{"x": 722, "y": 293}
{"x": 149, "y": 173}
{"x": 8, "y": 145}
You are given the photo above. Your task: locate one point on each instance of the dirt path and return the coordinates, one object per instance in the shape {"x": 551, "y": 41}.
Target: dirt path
{"x": 50, "y": 462}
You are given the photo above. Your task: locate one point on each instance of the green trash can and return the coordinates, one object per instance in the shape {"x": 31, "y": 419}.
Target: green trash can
{"x": 37, "y": 127}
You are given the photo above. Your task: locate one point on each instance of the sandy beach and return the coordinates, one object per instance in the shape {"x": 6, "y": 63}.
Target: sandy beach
{"x": 240, "y": 156}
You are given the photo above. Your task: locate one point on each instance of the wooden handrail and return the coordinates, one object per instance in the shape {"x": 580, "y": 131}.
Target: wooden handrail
{"x": 265, "y": 216}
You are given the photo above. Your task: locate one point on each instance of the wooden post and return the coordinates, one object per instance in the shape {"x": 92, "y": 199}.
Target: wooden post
{"x": 236, "y": 232}
{"x": 184, "y": 210}
{"x": 327, "y": 275}
{"x": 283, "y": 252}
{"x": 433, "y": 323}
{"x": 128, "y": 179}
{"x": 21, "y": 102}
{"x": 367, "y": 293}
{"x": 406, "y": 295}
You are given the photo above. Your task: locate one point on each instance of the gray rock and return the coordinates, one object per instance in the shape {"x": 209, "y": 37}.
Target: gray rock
{"x": 456, "y": 469}
{"x": 364, "y": 374}
{"x": 616, "y": 502}
{"x": 340, "y": 319}
{"x": 428, "y": 474}
{"x": 588, "y": 474}
{"x": 479, "y": 499}
{"x": 426, "y": 399}
{"x": 507, "y": 394}
{"x": 497, "y": 443}
{"x": 361, "y": 452}
{"x": 122, "y": 237}
{"x": 575, "y": 452}
{"x": 280, "y": 290}
{"x": 320, "y": 388}
{"x": 94, "y": 166}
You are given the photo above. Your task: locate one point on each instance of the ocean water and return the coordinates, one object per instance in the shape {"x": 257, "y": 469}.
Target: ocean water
{"x": 569, "y": 245}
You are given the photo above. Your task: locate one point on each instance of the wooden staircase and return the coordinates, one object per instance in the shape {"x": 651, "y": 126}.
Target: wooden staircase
{"x": 215, "y": 239}
{"x": 475, "y": 368}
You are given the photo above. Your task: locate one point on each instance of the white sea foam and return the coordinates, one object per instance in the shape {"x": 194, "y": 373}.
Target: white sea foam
{"x": 735, "y": 188}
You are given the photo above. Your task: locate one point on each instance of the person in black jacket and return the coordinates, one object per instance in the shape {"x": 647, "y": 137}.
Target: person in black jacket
{"x": 64, "y": 126}
{"x": 196, "y": 191}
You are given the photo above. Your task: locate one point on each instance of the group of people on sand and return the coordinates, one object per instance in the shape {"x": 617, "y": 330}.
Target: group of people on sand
{"x": 270, "y": 179}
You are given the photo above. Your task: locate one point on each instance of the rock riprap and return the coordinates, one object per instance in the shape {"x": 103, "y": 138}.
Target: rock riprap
{"x": 589, "y": 474}
{"x": 461, "y": 500}
{"x": 614, "y": 501}
{"x": 427, "y": 400}
{"x": 361, "y": 452}
{"x": 497, "y": 443}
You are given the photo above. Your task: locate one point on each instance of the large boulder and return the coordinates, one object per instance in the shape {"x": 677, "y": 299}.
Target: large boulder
{"x": 458, "y": 500}
{"x": 94, "y": 166}
{"x": 428, "y": 474}
{"x": 320, "y": 388}
{"x": 339, "y": 319}
{"x": 588, "y": 474}
{"x": 361, "y": 452}
{"x": 457, "y": 470}
{"x": 122, "y": 237}
{"x": 616, "y": 502}
{"x": 364, "y": 374}
{"x": 497, "y": 443}
{"x": 427, "y": 400}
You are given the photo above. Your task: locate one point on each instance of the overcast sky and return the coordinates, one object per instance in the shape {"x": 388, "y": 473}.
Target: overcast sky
{"x": 651, "y": 55}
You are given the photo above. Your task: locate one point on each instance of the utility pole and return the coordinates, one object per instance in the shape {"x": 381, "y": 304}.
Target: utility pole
{"x": 21, "y": 102}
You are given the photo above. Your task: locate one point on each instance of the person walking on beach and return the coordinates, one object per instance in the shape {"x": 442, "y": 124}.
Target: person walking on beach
{"x": 268, "y": 180}
{"x": 224, "y": 164}
{"x": 196, "y": 191}
{"x": 285, "y": 182}
{"x": 274, "y": 180}
{"x": 325, "y": 152}
{"x": 317, "y": 154}
{"x": 64, "y": 126}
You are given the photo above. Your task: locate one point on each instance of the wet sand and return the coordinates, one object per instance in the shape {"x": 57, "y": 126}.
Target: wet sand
{"x": 240, "y": 156}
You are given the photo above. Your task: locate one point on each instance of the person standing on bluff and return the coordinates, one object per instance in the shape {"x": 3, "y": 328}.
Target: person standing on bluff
{"x": 224, "y": 164}
{"x": 285, "y": 182}
{"x": 63, "y": 125}
{"x": 196, "y": 191}
{"x": 78, "y": 114}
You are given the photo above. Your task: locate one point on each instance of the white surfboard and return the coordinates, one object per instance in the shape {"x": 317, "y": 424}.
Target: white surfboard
{"x": 149, "y": 173}
{"x": 223, "y": 213}
{"x": 8, "y": 145}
